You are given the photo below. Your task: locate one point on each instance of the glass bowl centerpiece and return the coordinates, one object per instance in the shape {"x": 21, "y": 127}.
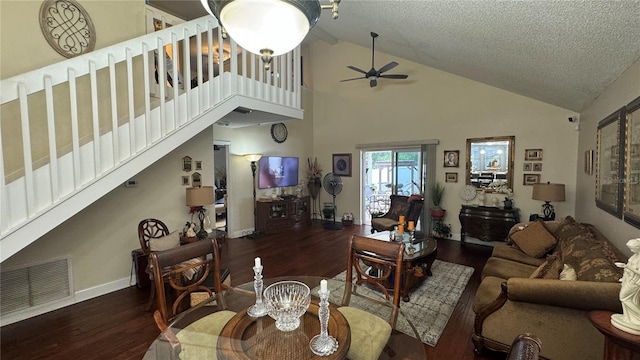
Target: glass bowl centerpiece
{"x": 286, "y": 301}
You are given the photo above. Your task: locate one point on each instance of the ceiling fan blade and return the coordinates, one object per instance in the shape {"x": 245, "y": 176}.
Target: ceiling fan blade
{"x": 373, "y": 82}
{"x": 356, "y": 69}
{"x": 358, "y": 78}
{"x": 388, "y": 67}
{"x": 394, "y": 76}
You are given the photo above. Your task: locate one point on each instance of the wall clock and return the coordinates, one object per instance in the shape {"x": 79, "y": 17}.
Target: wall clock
{"x": 468, "y": 193}
{"x": 279, "y": 132}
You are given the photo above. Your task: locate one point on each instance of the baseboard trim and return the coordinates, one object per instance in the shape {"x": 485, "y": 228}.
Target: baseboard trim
{"x": 77, "y": 297}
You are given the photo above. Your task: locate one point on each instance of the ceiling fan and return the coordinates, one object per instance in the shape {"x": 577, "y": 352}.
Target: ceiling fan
{"x": 374, "y": 74}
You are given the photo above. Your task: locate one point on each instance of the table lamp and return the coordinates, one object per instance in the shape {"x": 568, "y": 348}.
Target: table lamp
{"x": 253, "y": 158}
{"x": 548, "y": 192}
{"x": 197, "y": 198}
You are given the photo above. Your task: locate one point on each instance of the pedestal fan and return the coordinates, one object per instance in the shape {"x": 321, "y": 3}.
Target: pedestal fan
{"x": 332, "y": 184}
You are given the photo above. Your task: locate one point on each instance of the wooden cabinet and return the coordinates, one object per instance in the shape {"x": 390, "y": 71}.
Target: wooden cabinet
{"x": 282, "y": 215}
{"x": 487, "y": 223}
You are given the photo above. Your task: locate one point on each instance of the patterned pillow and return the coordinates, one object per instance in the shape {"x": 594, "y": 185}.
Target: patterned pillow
{"x": 568, "y": 273}
{"x": 549, "y": 269}
{"x": 165, "y": 243}
{"x": 588, "y": 256}
{"x": 535, "y": 240}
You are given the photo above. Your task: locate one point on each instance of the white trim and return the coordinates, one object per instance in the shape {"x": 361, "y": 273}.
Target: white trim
{"x": 79, "y": 296}
{"x": 397, "y": 144}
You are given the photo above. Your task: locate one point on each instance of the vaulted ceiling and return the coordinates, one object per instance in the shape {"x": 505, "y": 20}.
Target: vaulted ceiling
{"x": 564, "y": 53}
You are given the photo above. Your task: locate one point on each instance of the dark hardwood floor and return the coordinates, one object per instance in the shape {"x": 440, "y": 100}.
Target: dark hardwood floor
{"x": 116, "y": 325}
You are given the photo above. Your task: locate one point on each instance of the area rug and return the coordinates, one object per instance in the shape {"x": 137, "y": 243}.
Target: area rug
{"x": 433, "y": 302}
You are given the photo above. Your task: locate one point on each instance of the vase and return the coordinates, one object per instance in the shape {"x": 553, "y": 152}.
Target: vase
{"x": 314, "y": 186}
{"x": 508, "y": 204}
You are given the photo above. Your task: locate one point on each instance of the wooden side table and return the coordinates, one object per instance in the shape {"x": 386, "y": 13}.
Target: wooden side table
{"x": 618, "y": 344}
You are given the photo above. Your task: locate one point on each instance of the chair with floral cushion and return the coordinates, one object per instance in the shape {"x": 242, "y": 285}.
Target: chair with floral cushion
{"x": 408, "y": 206}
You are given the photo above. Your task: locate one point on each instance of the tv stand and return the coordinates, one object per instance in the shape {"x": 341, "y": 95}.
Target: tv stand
{"x": 276, "y": 216}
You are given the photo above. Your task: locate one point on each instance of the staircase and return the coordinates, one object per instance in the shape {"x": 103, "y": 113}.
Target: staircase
{"x": 77, "y": 129}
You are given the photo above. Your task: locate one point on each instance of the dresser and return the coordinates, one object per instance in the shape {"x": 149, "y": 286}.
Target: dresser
{"x": 487, "y": 223}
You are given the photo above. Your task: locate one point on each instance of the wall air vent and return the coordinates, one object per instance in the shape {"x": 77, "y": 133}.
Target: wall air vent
{"x": 34, "y": 285}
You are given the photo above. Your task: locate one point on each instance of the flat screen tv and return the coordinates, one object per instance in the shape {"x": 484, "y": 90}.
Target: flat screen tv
{"x": 277, "y": 171}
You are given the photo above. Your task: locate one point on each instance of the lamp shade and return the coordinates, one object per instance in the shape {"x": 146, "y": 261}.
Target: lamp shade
{"x": 200, "y": 196}
{"x": 252, "y": 157}
{"x": 277, "y": 26}
{"x": 548, "y": 192}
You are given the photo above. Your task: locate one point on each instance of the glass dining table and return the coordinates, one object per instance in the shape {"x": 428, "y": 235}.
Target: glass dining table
{"x": 220, "y": 328}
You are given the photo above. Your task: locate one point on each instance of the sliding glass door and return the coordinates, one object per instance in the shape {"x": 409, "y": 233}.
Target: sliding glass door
{"x": 386, "y": 172}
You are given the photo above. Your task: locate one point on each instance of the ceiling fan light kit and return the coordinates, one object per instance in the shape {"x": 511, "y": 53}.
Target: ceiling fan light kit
{"x": 373, "y": 75}
{"x": 268, "y": 27}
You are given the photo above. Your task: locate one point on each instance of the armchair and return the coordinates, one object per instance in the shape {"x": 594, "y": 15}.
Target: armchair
{"x": 408, "y": 206}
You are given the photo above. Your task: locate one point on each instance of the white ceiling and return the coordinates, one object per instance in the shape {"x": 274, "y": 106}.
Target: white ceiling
{"x": 564, "y": 53}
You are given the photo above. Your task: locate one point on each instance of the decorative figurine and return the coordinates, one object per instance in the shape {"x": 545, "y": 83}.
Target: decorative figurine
{"x": 191, "y": 232}
{"x": 629, "y": 320}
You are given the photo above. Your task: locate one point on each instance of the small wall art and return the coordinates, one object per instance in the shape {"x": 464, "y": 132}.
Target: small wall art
{"x": 527, "y": 167}
{"x": 452, "y": 158}
{"x": 537, "y": 166}
{"x": 186, "y": 164}
{"x": 185, "y": 180}
{"x": 530, "y": 179}
{"x": 451, "y": 177}
{"x": 533, "y": 154}
{"x": 198, "y": 165}
{"x": 588, "y": 162}
{"x": 342, "y": 164}
{"x": 196, "y": 179}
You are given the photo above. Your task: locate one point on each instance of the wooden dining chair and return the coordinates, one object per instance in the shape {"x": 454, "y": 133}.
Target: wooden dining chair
{"x": 190, "y": 269}
{"x": 370, "y": 333}
{"x": 149, "y": 229}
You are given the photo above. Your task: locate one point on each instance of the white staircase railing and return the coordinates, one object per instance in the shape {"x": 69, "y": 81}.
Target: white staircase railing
{"x": 77, "y": 129}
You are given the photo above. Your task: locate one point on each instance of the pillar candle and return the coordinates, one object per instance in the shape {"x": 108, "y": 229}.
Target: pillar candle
{"x": 401, "y": 228}
{"x": 323, "y": 285}
{"x": 258, "y": 263}
{"x": 411, "y": 226}
{"x": 401, "y": 219}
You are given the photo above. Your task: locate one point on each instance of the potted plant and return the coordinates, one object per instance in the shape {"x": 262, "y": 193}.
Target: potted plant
{"x": 441, "y": 230}
{"x": 437, "y": 193}
{"x": 314, "y": 174}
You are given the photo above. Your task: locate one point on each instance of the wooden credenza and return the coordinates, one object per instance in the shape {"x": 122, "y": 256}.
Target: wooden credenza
{"x": 282, "y": 215}
{"x": 487, "y": 223}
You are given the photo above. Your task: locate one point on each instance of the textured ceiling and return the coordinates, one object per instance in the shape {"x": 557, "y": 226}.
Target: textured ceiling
{"x": 564, "y": 53}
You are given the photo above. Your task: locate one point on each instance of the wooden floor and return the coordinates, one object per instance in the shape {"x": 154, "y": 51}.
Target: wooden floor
{"x": 116, "y": 326}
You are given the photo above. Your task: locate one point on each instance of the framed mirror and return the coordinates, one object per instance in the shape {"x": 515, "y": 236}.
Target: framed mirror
{"x": 609, "y": 160}
{"x": 632, "y": 177}
{"x": 490, "y": 162}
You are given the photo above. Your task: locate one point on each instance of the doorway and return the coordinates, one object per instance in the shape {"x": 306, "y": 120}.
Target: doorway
{"x": 220, "y": 166}
{"x": 386, "y": 172}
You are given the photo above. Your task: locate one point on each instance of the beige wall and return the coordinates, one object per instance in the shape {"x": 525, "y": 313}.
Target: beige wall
{"x": 114, "y": 21}
{"x": 620, "y": 93}
{"x": 433, "y": 104}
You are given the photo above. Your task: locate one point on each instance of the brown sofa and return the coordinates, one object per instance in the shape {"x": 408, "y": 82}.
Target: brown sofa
{"x": 521, "y": 290}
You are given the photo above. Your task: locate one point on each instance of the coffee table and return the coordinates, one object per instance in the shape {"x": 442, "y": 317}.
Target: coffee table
{"x": 416, "y": 263}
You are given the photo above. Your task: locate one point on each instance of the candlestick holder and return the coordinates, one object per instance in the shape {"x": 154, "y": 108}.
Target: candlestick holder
{"x": 259, "y": 309}
{"x": 323, "y": 344}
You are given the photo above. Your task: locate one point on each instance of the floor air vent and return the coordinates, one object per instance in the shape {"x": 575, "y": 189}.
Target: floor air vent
{"x": 34, "y": 285}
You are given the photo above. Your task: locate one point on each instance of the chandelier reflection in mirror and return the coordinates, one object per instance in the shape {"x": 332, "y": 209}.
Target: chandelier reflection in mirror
{"x": 268, "y": 27}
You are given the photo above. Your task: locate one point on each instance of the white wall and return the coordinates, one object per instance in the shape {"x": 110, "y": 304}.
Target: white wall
{"x": 619, "y": 94}
{"x": 433, "y": 104}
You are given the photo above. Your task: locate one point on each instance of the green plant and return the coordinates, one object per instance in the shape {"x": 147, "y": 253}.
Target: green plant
{"x": 441, "y": 229}
{"x": 437, "y": 193}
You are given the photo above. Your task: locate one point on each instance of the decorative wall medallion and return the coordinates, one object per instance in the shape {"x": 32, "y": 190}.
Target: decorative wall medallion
{"x": 67, "y": 27}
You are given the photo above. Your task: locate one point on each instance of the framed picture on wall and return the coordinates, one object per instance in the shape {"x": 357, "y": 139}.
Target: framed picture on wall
{"x": 610, "y": 140}
{"x": 527, "y": 167}
{"x": 451, "y": 177}
{"x": 533, "y": 154}
{"x": 530, "y": 179}
{"x": 451, "y": 158}
{"x": 342, "y": 164}
{"x": 537, "y": 166}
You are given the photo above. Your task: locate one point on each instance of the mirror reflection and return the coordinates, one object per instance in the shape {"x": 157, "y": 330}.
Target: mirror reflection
{"x": 490, "y": 162}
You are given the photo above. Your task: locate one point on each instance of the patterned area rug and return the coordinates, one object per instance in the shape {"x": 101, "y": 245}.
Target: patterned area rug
{"x": 433, "y": 302}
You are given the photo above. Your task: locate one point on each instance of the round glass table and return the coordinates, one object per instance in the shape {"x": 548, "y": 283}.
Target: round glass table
{"x": 219, "y": 327}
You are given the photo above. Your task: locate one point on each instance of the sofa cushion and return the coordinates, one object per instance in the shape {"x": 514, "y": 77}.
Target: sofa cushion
{"x": 568, "y": 273}
{"x": 590, "y": 258}
{"x": 167, "y": 242}
{"x": 549, "y": 269}
{"x": 568, "y": 229}
{"x": 506, "y": 269}
{"x": 535, "y": 240}
{"x": 511, "y": 252}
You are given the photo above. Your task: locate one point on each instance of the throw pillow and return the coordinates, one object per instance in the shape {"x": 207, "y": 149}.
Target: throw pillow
{"x": 568, "y": 273}
{"x": 549, "y": 269}
{"x": 588, "y": 257}
{"x": 534, "y": 240}
{"x": 165, "y": 243}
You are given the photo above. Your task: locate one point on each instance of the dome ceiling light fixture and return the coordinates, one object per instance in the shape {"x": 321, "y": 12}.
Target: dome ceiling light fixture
{"x": 268, "y": 27}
